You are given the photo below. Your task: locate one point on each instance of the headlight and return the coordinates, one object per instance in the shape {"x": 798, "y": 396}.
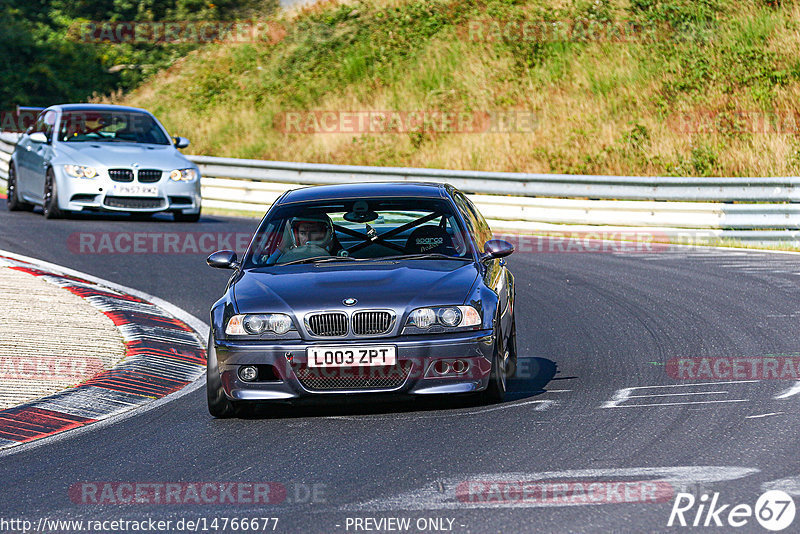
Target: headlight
{"x": 257, "y": 324}
{"x": 422, "y": 318}
{"x": 183, "y": 175}
{"x": 449, "y": 316}
{"x": 79, "y": 171}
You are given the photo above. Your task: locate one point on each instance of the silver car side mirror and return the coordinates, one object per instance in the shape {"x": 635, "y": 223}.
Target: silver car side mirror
{"x": 39, "y": 137}
{"x": 181, "y": 142}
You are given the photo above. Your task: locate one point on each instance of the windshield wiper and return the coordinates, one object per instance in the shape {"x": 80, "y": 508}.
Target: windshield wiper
{"x": 319, "y": 259}
{"x": 429, "y": 256}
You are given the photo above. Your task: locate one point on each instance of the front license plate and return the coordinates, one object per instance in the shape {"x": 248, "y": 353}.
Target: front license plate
{"x": 135, "y": 190}
{"x": 347, "y": 356}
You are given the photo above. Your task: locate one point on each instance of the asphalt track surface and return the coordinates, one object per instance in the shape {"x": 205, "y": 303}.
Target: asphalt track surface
{"x": 591, "y": 323}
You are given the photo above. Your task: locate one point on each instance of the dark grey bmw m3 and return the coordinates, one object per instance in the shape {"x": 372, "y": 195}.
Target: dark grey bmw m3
{"x": 368, "y": 288}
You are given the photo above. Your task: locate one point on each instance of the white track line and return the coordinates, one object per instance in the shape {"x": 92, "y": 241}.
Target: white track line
{"x": 793, "y": 390}
{"x": 544, "y": 404}
{"x": 674, "y": 403}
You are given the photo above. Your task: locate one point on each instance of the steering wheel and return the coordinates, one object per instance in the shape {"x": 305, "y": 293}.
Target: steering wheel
{"x": 302, "y": 252}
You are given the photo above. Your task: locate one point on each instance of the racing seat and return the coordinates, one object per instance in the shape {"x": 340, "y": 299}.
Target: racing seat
{"x": 430, "y": 239}
{"x": 127, "y": 134}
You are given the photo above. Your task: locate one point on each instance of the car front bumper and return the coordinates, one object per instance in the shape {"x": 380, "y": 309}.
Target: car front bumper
{"x": 97, "y": 194}
{"x": 415, "y": 357}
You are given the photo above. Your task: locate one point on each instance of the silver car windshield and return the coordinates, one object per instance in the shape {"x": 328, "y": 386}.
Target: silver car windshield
{"x": 110, "y": 126}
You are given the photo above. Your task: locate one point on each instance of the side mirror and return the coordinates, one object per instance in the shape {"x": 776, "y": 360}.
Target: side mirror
{"x": 180, "y": 142}
{"x": 223, "y": 259}
{"x": 39, "y": 137}
{"x": 497, "y": 248}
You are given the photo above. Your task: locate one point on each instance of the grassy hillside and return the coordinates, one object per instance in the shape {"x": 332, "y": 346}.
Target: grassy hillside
{"x": 698, "y": 87}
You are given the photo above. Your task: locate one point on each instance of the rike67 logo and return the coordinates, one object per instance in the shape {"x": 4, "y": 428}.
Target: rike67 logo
{"x": 774, "y": 510}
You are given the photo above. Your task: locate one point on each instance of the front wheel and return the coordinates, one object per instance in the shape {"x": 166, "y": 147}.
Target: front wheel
{"x": 50, "y": 207}
{"x": 511, "y": 369}
{"x": 496, "y": 390}
{"x": 12, "y": 192}
{"x": 219, "y": 405}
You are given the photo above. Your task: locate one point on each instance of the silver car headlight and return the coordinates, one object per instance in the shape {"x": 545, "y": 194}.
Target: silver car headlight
{"x": 255, "y": 324}
{"x": 79, "y": 171}
{"x": 447, "y": 316}
{"x": 183, "y": 175}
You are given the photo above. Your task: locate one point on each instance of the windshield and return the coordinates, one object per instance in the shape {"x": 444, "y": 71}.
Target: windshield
{"x": 110, "y": 126}
{"x": 366, "y": 229}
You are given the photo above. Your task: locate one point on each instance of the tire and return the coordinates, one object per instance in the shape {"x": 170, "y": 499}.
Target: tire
{"x": 50, "y": 208}
{"x": 219, "y": 405}
{"x": 511, "y": 370}
{"x": 179, "y": 216}
{"x": 496, "y": 390}
{"x": 12, "y": 192}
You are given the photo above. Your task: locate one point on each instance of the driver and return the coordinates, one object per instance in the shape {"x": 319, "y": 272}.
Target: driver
{"x": 313, "y": 230}
{"x": 310, "y": 230}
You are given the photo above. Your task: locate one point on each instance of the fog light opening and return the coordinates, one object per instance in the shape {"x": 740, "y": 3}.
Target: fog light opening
{"x": 441, "y": 367}
{"x": 248, "y": 373}
{"x": 460, "y": 366}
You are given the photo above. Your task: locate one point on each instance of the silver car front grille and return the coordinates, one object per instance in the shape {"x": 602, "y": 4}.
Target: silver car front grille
{"x": 371, "y": 323}
{"x": 149, "y": 176}
{"x": 136, "y": 203}
{"x": 333, "y": 324}
{"x": 121, "y": 175}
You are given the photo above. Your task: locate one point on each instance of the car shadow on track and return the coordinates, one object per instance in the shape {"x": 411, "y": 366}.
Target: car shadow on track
{"x": 532, "y": 377}
{"x": 134, "y": 218}
{"x": 533, "y": 374}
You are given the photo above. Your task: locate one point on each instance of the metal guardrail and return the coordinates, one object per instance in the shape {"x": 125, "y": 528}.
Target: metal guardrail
{"x": 748, "y": 209}
{"x": 7, "y": 142}
{"x": 517, "y": 184}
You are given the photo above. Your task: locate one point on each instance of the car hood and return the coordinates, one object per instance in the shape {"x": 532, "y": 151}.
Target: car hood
{"x": 398, "y": 285}
{"x": 164, "y": 157}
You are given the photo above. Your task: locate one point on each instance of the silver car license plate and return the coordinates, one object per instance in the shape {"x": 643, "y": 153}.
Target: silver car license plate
{"x": 135, "y": 190}
{"x": 351, "y": 356}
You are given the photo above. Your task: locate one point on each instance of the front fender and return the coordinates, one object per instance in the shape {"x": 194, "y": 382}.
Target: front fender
{"x": 485, "y": 301}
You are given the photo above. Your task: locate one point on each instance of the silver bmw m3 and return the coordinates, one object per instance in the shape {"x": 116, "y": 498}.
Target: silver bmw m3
{"x": 84, "y": 157}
